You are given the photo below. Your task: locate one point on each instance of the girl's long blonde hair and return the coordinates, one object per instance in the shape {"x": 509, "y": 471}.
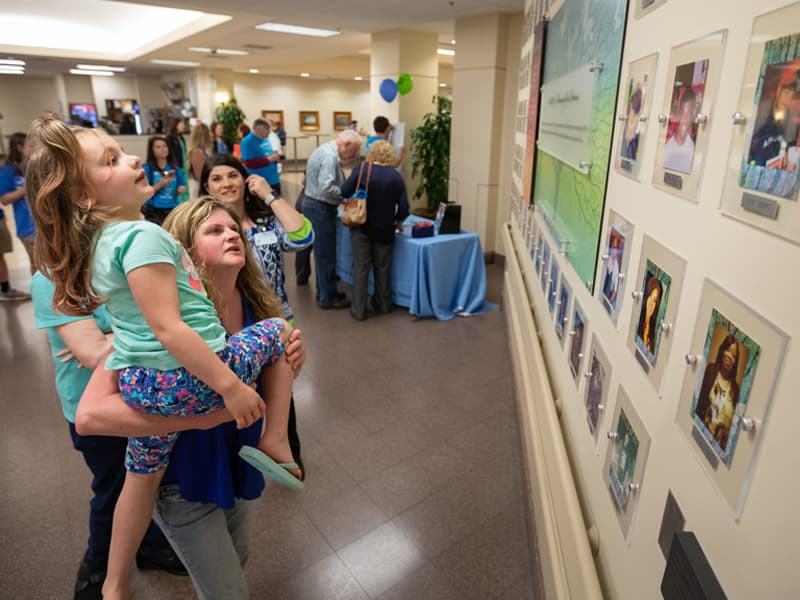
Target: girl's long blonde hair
{"x": 184, "y": 222}
{"x": 61, "y": 200}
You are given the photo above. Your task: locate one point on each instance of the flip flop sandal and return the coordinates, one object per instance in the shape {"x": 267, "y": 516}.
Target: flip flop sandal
{"x": 278, "y": 472}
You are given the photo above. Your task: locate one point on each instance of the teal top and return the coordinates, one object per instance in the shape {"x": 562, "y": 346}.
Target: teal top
{"x": 127, "y": 245}
{"x": 70, "y": 380}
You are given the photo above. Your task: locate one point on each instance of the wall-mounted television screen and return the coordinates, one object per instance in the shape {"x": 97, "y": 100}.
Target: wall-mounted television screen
{"x": 83, "y": 111}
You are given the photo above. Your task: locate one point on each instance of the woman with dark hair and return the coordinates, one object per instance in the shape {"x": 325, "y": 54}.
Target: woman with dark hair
{"x": 630, "y": 134}
{"x": 176, "y": 126}
{"x": 719, "y": 392}
{"x": 648, "y": 316}
{"x": 165, "y": 176}
{"x": 218, "y": 143}
{"x": 271, "y": 225}
{"x": 12, "y": 191}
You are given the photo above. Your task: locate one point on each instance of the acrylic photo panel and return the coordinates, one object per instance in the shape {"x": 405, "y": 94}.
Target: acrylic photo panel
{"x": 762, "y": 182}
{"x": 613, "y": 263}
{"x": 598, "y": 378}
{"x": 552, "y": 286}
{"x": 634, "y": 115}
{"x": 626, "y": 457}
{"x": 545, "y": 266}
{"x": 562, "y": 309}
{"x": 537, "y": 259}
{"x": 645, "y": 7}
{"x": 728, "y": 387}
{"x": 685, "y": 118}
{"x": 660, "y": 280}
{"x": 577, "y": 336}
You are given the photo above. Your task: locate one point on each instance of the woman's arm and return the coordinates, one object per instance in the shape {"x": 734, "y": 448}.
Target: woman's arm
{"x": 197, "y": 159}
{"x": 12, "y": 197}
{"x": 101, "y": 411}
{"x": 154, "y": 288}
{"x": 84, "y": 339}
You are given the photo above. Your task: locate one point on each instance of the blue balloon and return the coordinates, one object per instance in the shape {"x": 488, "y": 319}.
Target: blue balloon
{"x": 388, "y": 89}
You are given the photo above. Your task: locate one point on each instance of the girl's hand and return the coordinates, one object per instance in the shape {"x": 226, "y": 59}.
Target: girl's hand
{"x": 259, "y": 186}
{"x": 296, "y": 352}
{"x": 245, "y": 405}
{"x": 67, "y": 356}
{"x": 181, "y": 189}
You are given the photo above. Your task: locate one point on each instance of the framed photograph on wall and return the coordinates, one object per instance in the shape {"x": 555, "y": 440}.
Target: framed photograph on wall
{"x": 763, "y": 177}
{"x": 626, "y": 456}
{"x": 613, "y": 264}
{"x": 562, "y": 309}
{"x": 655, "y": 307}
{"x": 733, "y": 364}
{"x": 552, "y": 287}
{"x": 598, "y": 379}
{"x": 276, "y": 116}
{"x": 577, "y": 334}
{"x": 309, "y": 120}
{"x": 645, "y": 7}
{"x": 341, "y": 120}
{"x": 692, "y": 81}
{"x": 545, "y": 266}
{"x": 633, "y": 115}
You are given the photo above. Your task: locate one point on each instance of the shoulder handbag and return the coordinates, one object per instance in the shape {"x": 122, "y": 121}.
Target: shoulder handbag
{"x": 354, "y": 212}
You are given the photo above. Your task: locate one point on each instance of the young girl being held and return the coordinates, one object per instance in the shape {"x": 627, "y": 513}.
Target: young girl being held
{"x": 169, "y": 344}
{"x": 167, "y": 179}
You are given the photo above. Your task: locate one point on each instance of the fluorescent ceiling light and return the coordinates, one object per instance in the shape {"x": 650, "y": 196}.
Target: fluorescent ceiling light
{"x": 305, "y": 74}
{"x": 252, "y": 71}
{"x": 85, "y": 72}
{"x": 4, "y": 72}
{"x": 11, "y": 69}
{"x": 12, "y": 61}
{"x": 102, "y": 68}
{"x": 358, "y": 78}
{"x": 445, "y": 52}
{"x": 295, "y": 30}
{"x": 442, "y": 85}
{"x": 175, "y": 63}
{"x": 220, "y": 51}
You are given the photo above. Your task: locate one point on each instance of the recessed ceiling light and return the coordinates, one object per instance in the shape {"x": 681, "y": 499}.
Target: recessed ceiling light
{"x": 295, "y": 30}
{"x": 175, "y": 63}
{"x": 220, "y": 51}
{"x": 305, "y": 74}
{"x": 445, "y": 52}
{"x": 102, "y": 68}
{"x": 358, "y": 78}
{"x": 453, "y": 42}
{"x": 252, "y": 71}
{"x": 85, "y": 72}
{"x": 12, "y": 61}
{"x": 442, "y": 85}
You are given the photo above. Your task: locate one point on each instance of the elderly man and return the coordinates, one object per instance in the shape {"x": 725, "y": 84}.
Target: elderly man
{"x": 323, "y": 194}
{"x": 260, "y": 157}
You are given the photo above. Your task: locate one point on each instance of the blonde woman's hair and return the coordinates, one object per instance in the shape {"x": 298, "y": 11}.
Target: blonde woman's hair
{"x": 62, "y": 203}
{"x": 200, "y": 137}
{"x": 381, "y": 152}
{"x": 184, "y": 222}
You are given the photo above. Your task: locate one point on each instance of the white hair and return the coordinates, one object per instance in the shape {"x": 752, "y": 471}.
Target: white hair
{"x": 348, "y": 135}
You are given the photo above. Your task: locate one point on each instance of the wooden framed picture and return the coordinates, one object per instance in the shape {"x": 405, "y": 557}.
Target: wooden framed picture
{"x": 309, "y": 120}
{"x": 276, "y": 116}
{"x": 341, "y": 120}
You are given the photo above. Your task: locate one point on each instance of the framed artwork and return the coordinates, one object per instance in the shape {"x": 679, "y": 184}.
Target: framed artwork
{"x": 635, "y": 107}
{"x": 274, "y": 116}
{"x": 626, "y": 456}
{"x": 341, "y": 120}
{"x": 577, "y": 333}
{"x": 655, "y": 306}
{"x": 644, "y": 7}
{"x": 763, "y": 176}
{"x": 692, "y": 81}
{"x": 552, "y": 287}
{"x": 734, "y": 361}
{"x": 598, "y": 379}
{"x": 545, "y": 265}
{"x": 562, "y": 308}
{"x": 614, "y": 263}
{"x": 309, "y": 120}
{"x": 537, "y": 63}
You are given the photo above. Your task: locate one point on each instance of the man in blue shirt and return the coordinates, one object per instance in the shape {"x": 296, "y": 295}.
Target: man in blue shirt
{"x": 323, "y": 194}
{"x": 260, "y": 157}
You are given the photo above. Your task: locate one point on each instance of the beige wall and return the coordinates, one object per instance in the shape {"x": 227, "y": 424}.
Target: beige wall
{"x": 23, "y": 98}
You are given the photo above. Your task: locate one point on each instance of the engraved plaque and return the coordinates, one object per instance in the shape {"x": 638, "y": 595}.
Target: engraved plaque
{"x": 642, "y": 361}
{"x": 707, "y": 452}
{"x": 626, "y": 165}
{"x": 766, "y": 207}
{"x": 672, "y": 180}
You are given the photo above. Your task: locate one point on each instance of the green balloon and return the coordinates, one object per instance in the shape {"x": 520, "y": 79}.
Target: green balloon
{"x": 404, "y": 83}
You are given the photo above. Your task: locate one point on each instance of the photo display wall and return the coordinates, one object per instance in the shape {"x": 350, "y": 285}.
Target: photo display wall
{"x": 582, "y": 53}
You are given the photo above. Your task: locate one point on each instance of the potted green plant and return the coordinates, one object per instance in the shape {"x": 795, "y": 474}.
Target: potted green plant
{"x": 231, "y": 116}
{"x": 430, "y": 146}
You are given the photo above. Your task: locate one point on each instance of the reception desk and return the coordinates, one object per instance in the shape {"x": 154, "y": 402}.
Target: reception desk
{"x": 441, "y": 276}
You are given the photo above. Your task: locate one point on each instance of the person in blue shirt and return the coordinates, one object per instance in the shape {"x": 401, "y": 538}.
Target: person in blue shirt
{"x": 12, "y": 191}
{"x": 166, "y": 177}
{"x": 383, "y": 131}
{"x": 259, "y": 156}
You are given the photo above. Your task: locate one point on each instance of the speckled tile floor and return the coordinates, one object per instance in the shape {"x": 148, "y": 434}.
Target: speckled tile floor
{"x": 415, "y": 485}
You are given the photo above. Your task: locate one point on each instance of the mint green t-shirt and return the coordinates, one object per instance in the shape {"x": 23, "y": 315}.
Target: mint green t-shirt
{"x": 127, "y": 245}
{"x": 70, "y": 380}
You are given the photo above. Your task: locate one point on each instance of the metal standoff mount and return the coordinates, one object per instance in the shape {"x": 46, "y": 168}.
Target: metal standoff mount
{"x": 739, "y": 118}
{"x": 612, "y": 435}
{"x": 571, "y": 333}
{"x": 662, "y": 118}
{"x": 701, "y": 119}
{"x": 601, "y": 407}
{"x": 642, "y": 118}
{"x": 595, "y": 66}
{"x": 749, "y": 424}
{"x": 636, "y": 295}
{"x": 622, "y": 118}
{"x": 665, "y": 327}
{"x": 587, "y": 374}
{"x": 585, "y": 164}
{"x": 691, "y": 359}
{"x": 621, "y": 276}
{"x": 634, "y": 487}
{"x": 558, "y": 302}
{"x": 564, "y": 320}
{"x": 605, "y": 256}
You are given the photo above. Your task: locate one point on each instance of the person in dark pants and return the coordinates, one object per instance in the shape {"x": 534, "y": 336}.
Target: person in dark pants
{"x": 323, "y": 194}
{"x": 302, "y": 258}
{"x": 373, "y": 242}
{"x": 85, "y": 338}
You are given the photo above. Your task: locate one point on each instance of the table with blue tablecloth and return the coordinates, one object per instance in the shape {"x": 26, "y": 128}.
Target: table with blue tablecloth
{"x": 441, "y": 276}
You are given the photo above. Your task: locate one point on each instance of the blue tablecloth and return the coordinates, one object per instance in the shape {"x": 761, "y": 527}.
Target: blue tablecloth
{"x": 441, "y": 276}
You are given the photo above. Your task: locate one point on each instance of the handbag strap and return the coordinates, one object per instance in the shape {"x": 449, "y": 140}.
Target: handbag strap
{"x": 369, "y": 172}
{"x": 360, "y": 172}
